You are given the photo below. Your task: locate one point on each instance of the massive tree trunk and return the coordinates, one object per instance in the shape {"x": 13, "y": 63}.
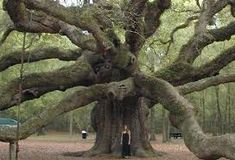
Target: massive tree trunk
{"x": 108, "y": 119}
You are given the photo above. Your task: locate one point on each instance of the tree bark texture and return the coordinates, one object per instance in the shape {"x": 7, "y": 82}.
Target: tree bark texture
{"x": 108, "y": 119}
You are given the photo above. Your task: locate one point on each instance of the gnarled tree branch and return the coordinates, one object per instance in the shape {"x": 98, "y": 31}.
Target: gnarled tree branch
{"x": 77, "y": 36}
{"x": 190, "y": 51}
{"x": 181, "y": 73}
{"x": 205, "y": 83}
{"x": 135, "y": 29}
{"x": 182, "y": 116}
{"x": 205, "y": 16}
{"x": 36, "y": 84}
{"x": 85, "y": 18}
{"x": 37, "y": 55}
{"x": 25, "y": 20}
{"x": 39, "y": 22}
{"x": 182, "y": 26}
{"x": 144, "y": 19}
{"x": 213, "y": 67}
{"x": 80, "y": 98}
{"x": 152, "y": 15}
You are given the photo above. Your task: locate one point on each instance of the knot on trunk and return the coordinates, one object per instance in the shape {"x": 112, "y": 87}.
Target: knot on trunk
{"x": 26, "y": 94}
{"x": 119, "y": 91}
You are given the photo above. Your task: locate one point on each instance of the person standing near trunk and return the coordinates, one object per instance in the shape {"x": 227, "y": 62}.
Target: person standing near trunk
{"x": 84, "y": 134}
{"x": 125, "y": 142}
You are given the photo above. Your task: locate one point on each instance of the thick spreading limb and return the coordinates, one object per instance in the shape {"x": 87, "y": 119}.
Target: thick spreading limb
{"x": 144, "y": 19}
{"x": 39, "y": 22}
{"x": 205, "y": 17}
{"x": 81, "y": 97}
{"x": 213, "y": 67}
{"x": 190, "y": 51}
{"x": 182, "y": 116}
{"x": 24, "y": 20}
{"x": 77, "y": 36}
{"x": 203, "y": 37}
{"x": 205, "y": 83}
{"x": 37, "y": 55}
{"x": 135, "y": 29}
{"x": 36, "y": 84}
{"x": 181, "y": 73}
{"x": 83, "y": 18}
{"x": 152, "y": 15}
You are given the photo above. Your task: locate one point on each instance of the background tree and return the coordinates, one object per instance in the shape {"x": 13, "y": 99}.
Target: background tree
{"x": 113, "y": 38}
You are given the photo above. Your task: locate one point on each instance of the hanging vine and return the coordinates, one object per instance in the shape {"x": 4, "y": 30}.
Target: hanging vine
{"x": 20, "y": 94}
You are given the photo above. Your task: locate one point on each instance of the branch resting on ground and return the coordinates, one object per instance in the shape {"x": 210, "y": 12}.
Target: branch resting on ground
{"x": 80, "y": 98}
{"x": 182, "y": 116}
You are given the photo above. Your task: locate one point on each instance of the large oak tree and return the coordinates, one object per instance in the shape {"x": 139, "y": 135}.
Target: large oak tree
{"x": 108, "y": 70}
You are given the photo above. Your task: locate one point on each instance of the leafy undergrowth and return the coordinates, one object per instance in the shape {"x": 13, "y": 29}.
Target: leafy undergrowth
{"x": 52, "y": 146}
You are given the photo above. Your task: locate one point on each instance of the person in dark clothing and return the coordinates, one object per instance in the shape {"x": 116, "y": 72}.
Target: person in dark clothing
{"x": 125, "y": 142}
{"x": 84, "y": 134}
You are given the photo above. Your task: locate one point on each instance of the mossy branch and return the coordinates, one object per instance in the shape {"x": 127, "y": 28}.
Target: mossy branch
{"x": 37, "y": 84}
{"x": 37, "y": 55}
{"x": 80, "y": 98}
{"x": 182, "y": 116}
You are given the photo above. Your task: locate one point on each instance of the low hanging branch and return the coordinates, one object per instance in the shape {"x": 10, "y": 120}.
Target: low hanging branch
{"x": 85, "y": 71}
{"x": 37, "y": 55}
{"x": 37, "y": 84}
{"x": 182, "y": 116}
{"x": 80, "y": 98}
{"x": 205, "y": 83}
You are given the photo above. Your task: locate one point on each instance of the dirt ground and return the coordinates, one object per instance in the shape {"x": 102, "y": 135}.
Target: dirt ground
{"x": 52, "y": 147}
